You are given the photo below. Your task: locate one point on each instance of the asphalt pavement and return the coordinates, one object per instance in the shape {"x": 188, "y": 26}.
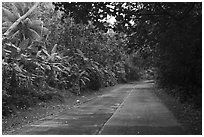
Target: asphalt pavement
{"x": 128, "y": 109}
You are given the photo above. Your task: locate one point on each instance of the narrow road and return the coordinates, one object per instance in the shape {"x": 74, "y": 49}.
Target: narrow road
{"x": 128, "y": 109}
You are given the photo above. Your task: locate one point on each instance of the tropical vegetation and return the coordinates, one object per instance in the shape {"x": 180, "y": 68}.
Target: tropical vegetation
{"x": 43, "y": 55}
{"x": 51, "y": 48}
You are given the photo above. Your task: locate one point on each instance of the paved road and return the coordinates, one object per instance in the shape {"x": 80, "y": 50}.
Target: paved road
{"x": 128, "y": 109}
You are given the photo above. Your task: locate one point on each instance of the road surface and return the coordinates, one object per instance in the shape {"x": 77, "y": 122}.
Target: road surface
{"x": 128, "y": 109}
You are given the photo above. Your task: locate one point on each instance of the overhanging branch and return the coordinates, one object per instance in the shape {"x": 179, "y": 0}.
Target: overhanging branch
{"x": 15, "y": 24}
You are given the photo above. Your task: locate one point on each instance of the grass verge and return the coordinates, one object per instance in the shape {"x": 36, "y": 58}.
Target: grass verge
{"x": 186, "y": 113}
{"x": 52, "y": 107}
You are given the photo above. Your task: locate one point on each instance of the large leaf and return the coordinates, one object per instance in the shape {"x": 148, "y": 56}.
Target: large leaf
{"x": 33, "y": 35}
{"x": 38, "y": 29}
{"x": 9, "y": 15}
{"x": 36, "y": 25}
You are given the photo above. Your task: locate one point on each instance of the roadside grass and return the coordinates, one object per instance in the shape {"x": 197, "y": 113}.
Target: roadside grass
{"x": 65, "y": 101}
{"x": 188, "y": 114}
{"x": 45, "y": 105}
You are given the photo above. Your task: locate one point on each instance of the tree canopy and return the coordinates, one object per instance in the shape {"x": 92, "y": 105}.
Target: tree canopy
{"x": 168, "y": 35}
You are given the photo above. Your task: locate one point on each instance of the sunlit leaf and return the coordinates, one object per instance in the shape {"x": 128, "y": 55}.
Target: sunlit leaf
{"x": 18, "y": 68}
{"x": 83, "y": 82}
{"x": 54, "y": 49}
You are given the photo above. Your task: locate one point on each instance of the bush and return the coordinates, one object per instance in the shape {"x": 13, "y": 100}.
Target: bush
{"x": 75, "y": 57}
{"x": 95, "y": 82}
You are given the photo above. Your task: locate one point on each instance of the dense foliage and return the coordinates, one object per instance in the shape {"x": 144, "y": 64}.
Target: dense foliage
{"x": 168, "y": 36}
{"x": 43, "y": 56}
{"x": 47, "y": 51}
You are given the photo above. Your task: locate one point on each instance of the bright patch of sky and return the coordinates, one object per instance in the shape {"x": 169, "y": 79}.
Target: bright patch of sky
{"x": 111, "y": 19}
